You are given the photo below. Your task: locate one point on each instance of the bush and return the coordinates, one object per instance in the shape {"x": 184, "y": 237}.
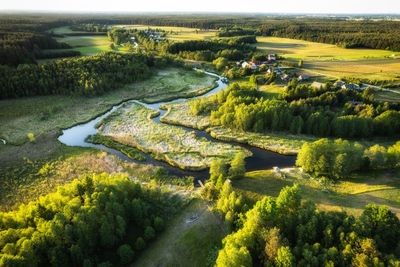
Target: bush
{"x": 126, "y": 253}
{"x": 149, "y": 233}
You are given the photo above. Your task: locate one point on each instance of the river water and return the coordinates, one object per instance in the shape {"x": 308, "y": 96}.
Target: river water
{"x": 261, "y": 159}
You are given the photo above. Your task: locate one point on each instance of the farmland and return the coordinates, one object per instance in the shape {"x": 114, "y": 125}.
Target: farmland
{"x": 333, "y": 60}
{"x": 177, "y": 33}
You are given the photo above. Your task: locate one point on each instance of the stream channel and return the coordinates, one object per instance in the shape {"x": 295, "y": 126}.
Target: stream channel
{"x": 262, "y": 159}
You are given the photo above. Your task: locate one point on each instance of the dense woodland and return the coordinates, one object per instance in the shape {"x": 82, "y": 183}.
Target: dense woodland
{"x": 302, "y": 109}
{"x": 286, "y": 231}
{"x": 81, "y": 76}
{"x": 289, "y": 232}
{"x": 99, "y": 221}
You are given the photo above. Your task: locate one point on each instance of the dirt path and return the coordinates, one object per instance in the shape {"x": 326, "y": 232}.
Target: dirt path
{"x": 187, "y": 240}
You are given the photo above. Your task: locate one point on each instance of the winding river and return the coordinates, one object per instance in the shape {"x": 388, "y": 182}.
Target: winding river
{"x": 261, "y": 159}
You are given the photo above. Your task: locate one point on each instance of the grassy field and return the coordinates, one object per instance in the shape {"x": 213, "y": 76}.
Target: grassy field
{"x": 351, "y": 195}
{"x": 191, "y": 239}
{"x": 131, "y": 125}
{"x": 177, "y": 33}
{"x": 42, "y": 114}
{"x": 335, "y": 61}
{"x": 391, "y": 95}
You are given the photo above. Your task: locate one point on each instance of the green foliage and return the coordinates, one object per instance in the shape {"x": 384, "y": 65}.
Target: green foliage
{"x": 82, "y": 221}
{"x": 131, "y": 152}
{"x": 217, "y": 169}
{"x": 88, "y": 76}
{"x": 238, "y": 166}
{"x": 336, "y": 158}
{"x": 289, "y": 232}
{"x": 126, "y": 253}
{"x": 220, "y": 63}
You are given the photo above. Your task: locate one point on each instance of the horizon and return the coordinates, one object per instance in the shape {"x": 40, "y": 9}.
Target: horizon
{"x": 289, "y": 7}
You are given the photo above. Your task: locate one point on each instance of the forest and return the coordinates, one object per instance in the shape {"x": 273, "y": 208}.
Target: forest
{"x": 83, "y": 222}
{"x": 302, "y": 109}
{"x": 77, "y": 76}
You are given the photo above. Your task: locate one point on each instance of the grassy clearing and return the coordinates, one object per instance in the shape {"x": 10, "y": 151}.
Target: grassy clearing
{"x": 27, "y": 180}
{"x": 180, "y": 114}
{"x": 187, "y": 242}
{"x": 175, "y": 83}
{"x": 335, "y": 61}
{"x": 132, "y": 125}
{"x": 87, "y": 45}
{"x": 392, "y": 96}
{"x": 177, "y": 33}
{"x": 42, "y": 114}
{"x": 350, "y": 195}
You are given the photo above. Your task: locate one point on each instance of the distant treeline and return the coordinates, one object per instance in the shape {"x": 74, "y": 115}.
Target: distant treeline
{"x": 82, "y": 76}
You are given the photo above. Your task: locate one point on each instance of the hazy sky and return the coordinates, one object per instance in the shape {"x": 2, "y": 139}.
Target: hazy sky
{"x": 259, "y": 6}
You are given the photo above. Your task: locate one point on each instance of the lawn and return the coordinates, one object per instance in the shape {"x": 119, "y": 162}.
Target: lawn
{"x": 191, "y": 239}
{"x": 335, "y": 61}
{"x": 350, "y": 195}
{"x": 131, "y": 125}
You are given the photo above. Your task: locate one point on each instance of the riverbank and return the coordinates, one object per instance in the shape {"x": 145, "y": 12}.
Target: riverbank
{"x": 132, "y": 125}
{"x": 282, "y": 143}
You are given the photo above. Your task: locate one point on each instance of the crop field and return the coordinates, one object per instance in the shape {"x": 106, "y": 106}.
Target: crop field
{"x": 132, "y": 125}
{"x": 391, "y": 95}
{"x": 177, "y": 33}
{"x": 350, "y": 195}
{"x": 335, "y": 61}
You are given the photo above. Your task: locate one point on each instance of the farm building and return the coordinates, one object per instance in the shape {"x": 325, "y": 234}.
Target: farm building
{"x": 351, "y": 86}
{"x": 303, "y": 77}
{"x": 317, "y": 85}
{"x": 271, "y": 57}
{"x": 339, "y": 84}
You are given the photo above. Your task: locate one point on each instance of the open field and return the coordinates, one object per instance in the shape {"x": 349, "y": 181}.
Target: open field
{"x": 190, "y": 239}
{"x": 350, "y": 195}
{"x": 177, "y": 33}
{"x": 132, "y": 125}
{"x": 41, "y": 114}
{"x": 335, "y": 61}
{"x": 391, "y": 95}
{"x": 87, "y": 45}
{"x": 175, "y": 83}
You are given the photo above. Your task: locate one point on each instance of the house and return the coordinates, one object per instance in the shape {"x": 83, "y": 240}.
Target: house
{"x": 285, "y": 77}
{"x": 253, "y": 66}
{"x": 317, "y": 85}
{"x": 255, "y": 62}
{"x": 303, "y": 77}
{"x": 339, "y": 84}
{"x": 355, "y": 103}
{"x": 245, "y": 64}
{"x": 271, "y": 57}
{"x": 351, "y": 86}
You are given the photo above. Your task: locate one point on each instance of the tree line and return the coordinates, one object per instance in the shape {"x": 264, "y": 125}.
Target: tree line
{"x": 99, "y": 221}
{"x": 287, "y": 231}
{"x": 80, "y": 76}
{"x": 339, "y": 158}
{"x": 322, "y": 112}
